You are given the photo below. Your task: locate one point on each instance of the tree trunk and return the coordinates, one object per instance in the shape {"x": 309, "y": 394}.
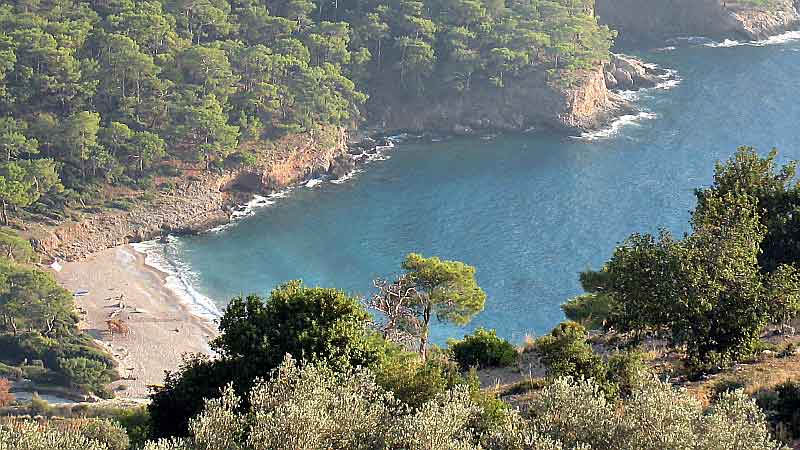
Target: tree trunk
{"x": 4, "y": 215}
{"x": 423, "y": 338}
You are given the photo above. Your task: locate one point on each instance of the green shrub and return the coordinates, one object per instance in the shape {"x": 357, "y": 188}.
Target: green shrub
{"x": 107, "y": 433}
{"x": 12, "y": 372}
{"x": 590, "y": 310}
{"x": 414, "y": 381}
{"x": 168, "y": 170}
{"x": 124, "y": 205}
{"x": 726, "y": 385}
{"x": 39, "y": 374}
{"x": 87, "y": 372}
{"x": 241, "y": 159}
{"x": 483, "y": 349}
{"x": 27, "y": 434}
{"x": 783, "y": 407}
{"x": 136, "y": 422}
{"x": 627, "y": 370}
{"x": 39, "y": 406}
{"x": 565, "y": 352}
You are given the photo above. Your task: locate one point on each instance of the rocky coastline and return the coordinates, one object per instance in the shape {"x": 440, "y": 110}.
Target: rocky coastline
{"x": 199, "y": 201}
{"x": 203, "y": 200}
{"x": 653, "y": 21}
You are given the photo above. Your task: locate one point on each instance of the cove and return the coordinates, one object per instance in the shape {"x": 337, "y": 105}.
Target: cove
{"x": 529, "y": 212}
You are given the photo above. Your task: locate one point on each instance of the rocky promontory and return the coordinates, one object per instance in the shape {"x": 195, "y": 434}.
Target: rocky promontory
{"x": 531, "y": 102}
{"x": 655, "y": 20}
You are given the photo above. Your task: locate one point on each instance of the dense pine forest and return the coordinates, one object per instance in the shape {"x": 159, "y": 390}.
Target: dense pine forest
{"x": 103, "y": 91}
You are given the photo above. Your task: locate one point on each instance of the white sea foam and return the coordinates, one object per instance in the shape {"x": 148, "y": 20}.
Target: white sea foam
{"x": 725, "y": 44}
{"x": 314, "y": 182}
{"x": 670, "y": 79}
{"x": 665, "y": 49}
{"x": 778, "y": 39}
{"x": 180, "y": 278}
{"x": 348, "y": 176}
{"x": 614, "y": 128}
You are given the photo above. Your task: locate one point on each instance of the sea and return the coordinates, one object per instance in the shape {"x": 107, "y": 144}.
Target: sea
{"x": 528, "y": 211}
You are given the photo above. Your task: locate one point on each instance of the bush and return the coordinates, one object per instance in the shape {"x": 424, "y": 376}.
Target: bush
{"x": 313, "y": 407}
{"x": 483, "y": 349}
{"x": 39, "y": 374}
{"x": 413, "y": 381}
{"x": 627, "y": 370}
{"x": 85, "y": 372}
{"x": 565, "y": 352}
{"x": 61, "y": 434}
{"x": 590, "y": 310}
{"x": 107, "y": 433}
{"x": 168, "y": 170}
{"x": 10, "y": 371}
{"x": 124, "y": 205}
{"x": 783, "y": 407}
{"x": 39, "y": 406}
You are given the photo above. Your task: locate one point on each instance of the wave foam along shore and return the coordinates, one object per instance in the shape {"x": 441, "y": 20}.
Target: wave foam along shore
{"x": 179, "y": 278}
{"x": 778, "y": 39}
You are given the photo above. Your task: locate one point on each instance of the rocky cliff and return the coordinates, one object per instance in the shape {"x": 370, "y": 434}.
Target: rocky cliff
{"x": 654, "y": 20}
{"x": 532, "y": 102}
{"x": 587, "y": 102}
{"x": 200, "y": 200}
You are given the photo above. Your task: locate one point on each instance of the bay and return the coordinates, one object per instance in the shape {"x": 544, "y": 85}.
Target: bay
{"x": 529, "y": 212}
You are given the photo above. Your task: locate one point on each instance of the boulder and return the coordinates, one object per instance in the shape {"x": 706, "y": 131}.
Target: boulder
{"x": 462, "y": 130}
{"x": 624, "y": 79}
{"x": 611, "y": 82}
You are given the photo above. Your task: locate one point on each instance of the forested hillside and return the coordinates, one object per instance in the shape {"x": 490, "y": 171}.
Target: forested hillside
{"x": 103, "y": 91}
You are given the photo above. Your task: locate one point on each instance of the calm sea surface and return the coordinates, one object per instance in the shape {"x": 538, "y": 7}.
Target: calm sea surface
{"x": 529, "y": 212}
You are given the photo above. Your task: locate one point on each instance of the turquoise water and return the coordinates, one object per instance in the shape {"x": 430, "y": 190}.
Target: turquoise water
{"x": 529, "y": 212}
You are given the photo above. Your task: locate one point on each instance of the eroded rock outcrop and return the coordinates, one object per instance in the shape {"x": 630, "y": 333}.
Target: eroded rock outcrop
{"x": 655, "y": 20}
{"x": 627, "y": 73}
{"x": 534, "y": 102}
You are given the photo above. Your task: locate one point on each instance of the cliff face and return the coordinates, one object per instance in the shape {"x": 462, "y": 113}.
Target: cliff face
{"x": 522, "y": 104}
{"x": 653, "y": 20}
{"x": 199, "y": 202}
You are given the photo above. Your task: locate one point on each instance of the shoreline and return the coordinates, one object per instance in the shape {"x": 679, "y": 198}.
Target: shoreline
{"x": 162, "y": 326}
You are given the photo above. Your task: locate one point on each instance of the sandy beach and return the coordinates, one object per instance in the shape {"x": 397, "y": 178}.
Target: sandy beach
{"x": 161, "y": 327}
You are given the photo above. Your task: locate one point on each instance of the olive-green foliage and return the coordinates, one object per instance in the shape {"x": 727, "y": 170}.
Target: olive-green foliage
{"x": 313, "y": 408}
{"x": 414, "y": 381}
{"x": 590, "y": 310}
{"x": 64, "y": 434}
{"x": 325, "y": 326}
{"x": 483, "y": 349}
{"x": 317, "y": 324}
